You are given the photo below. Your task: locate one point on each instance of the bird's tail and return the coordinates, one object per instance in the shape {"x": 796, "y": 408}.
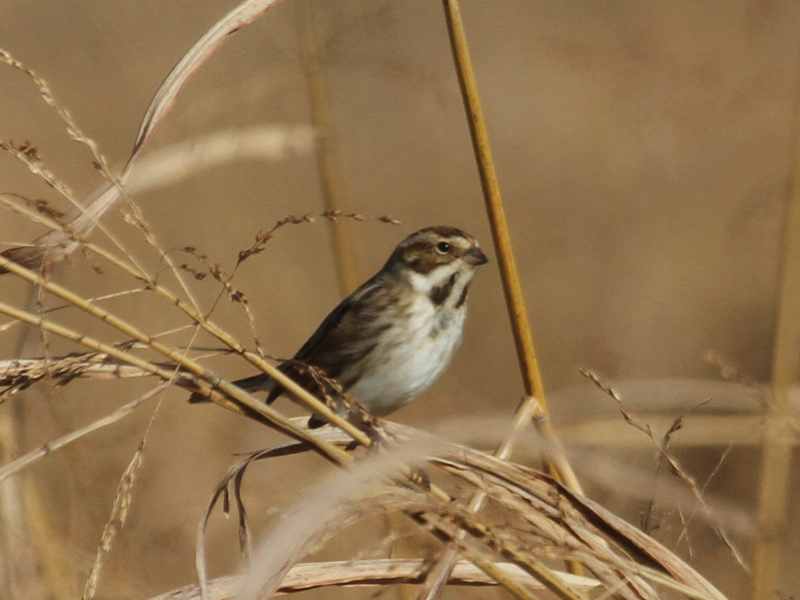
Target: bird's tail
{"x": 248, "y": 384}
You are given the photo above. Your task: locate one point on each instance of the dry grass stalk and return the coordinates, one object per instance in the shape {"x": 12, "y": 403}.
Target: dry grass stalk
{"x": 709, "y": 431}
{"x": 664, "y": 457}
{"x": 11, "y": 467}
{"x": 19, "y": 374}
{"x": 540, "y": 520}
{"x": 166, "y": 166}
{"x": 19, "y": 563}
{"x": 572, "y": 523}
{"x": 57, "y": 245}
{"x": 119, "y": 512}
{"x": 331, "y": 184}
{"x": 235, "y": 399}
{"x": 180, "y": 359}
{"x": 369, "y": 573}
{"x": 515, "y": 304}
{"x": 534, "y": 404}
{"x": 780, "y": 431}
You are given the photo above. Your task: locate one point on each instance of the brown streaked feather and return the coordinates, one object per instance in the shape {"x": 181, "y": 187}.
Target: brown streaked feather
{"x": 447, "y": 231}
{"x": 340, "y": 338}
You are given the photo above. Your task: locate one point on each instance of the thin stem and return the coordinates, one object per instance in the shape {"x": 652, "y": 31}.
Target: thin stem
{"x": 515, "y": 303}
{"x": 329, "y": 173}
{"x": 778, "y": 439}
{"x": 533, "y": 405}
{"x": 207, "y": 381}
{"x": 303, "y": 395}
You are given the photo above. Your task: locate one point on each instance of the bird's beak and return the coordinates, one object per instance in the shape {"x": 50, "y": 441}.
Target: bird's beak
{"x": 475, "y": 256}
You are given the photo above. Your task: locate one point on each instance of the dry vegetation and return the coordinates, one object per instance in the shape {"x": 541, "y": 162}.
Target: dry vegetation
{"x": 644, "y": 155}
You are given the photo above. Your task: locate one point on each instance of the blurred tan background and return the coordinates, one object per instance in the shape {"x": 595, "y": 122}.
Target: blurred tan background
{"x": 643, "y": 150}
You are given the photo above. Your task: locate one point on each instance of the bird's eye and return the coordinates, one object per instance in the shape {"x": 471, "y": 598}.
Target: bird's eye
{"x": 443, "y": 247}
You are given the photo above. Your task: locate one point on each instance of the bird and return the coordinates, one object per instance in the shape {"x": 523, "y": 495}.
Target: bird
{"x": 391, "y": 339}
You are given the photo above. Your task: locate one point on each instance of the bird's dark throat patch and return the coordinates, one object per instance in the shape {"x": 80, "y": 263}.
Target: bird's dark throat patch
{"x": 441, "y": 293}
{"x": 463, "y": 297}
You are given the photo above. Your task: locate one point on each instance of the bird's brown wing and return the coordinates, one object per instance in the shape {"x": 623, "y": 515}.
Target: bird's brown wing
{"x": 336, "y": 342}
{"x": 340, "y": 340}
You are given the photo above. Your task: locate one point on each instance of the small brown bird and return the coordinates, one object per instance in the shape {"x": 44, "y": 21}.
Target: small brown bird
{"x": 393, "y": 337}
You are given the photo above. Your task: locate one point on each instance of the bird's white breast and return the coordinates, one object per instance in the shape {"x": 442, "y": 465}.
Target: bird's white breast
{"x": 424, "y": 337}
